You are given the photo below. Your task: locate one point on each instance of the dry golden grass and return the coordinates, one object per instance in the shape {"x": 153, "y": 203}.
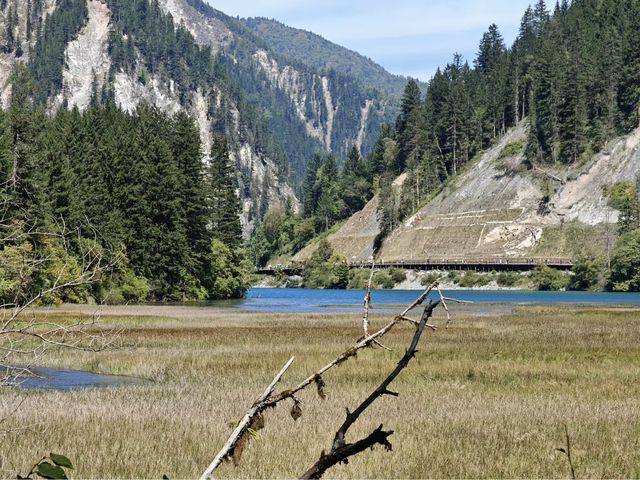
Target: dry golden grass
{"x": 487, "y": 398}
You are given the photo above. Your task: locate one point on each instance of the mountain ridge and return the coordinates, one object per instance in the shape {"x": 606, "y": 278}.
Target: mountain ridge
{"x": 322, "y": 103}
{"x": 277, "y": 113}
{"x": 316, "y": 51}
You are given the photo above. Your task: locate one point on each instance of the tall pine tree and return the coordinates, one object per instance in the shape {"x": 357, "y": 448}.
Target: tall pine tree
{"x": 224, "y": 202}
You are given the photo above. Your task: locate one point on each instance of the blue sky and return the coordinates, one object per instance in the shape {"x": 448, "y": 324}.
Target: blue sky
{"x": 407, "y": 37}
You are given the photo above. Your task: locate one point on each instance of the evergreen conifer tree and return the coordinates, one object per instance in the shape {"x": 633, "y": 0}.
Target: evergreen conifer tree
{"x": 409, "y": 126}
{"x": 224, "y": 203}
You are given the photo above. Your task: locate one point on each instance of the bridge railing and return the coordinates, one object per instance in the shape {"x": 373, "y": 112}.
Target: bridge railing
{"x": 561, "y": 262}
{"x": 489, "y": 262}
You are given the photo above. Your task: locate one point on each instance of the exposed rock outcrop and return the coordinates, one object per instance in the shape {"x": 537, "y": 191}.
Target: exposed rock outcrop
{"x": 206, "y": 31}
{"x": 87, "y": 59}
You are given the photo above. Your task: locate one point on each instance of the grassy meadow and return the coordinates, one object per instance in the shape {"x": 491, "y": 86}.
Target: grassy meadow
{"x": 487, "y": 398}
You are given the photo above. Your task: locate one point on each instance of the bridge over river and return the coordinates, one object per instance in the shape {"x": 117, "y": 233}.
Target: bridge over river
{"x": 477, "y": 264}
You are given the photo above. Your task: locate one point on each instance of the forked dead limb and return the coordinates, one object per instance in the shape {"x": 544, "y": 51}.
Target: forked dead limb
{"x": 268, "y": 400}
{"x": 351, "y": 352}
{"x": 367, "y": 307}
{"x": 340, "y": 450}
{"x": 367, "y": 301}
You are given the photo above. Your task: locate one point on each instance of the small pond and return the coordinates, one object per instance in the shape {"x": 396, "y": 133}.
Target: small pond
{"x": 71, "y": 380}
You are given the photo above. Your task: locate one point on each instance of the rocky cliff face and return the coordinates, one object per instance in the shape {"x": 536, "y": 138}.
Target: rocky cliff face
{"x": 87, "y": 58}
{"x": 322, "y": 107}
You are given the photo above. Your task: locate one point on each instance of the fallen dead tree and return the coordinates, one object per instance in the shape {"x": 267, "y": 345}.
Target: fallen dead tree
{"x": 340, "y": 450}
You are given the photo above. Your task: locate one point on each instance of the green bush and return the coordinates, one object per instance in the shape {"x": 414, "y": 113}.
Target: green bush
{"x": 27, "y": 271}
{"x": 325, "y": 270}
{"x": 453, "y": 276}
{"x": 625, "y": 264}
{"x": 508, "y": 279}
{"x": 293, "y": 282}
{"x": 230, "y": 272}
{"x": 384, "y": 280}
{"x": 586, "y": 273}
{"x": 474, "y": 279}
{"x": 549, "y": 279}
{"x": 303, "y": 232}
{"x": 621, "y": 194}
{"x": 358, "y": 279}
{"x": 397, "y": 275}
{"x": 14, "y": 270}
{"x": 429, "y": 279}
{"x": 512, "y": 149}
{"x": 134, "y": 289}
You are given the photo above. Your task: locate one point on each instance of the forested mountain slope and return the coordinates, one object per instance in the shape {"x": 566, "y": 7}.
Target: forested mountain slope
{"x": 496, "y": 208}
{"x": 522, "y": 154}
{"x": 184, "y": 55}
{"x": 84, "y": 52}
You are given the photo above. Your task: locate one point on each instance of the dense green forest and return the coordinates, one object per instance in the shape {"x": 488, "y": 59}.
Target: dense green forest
{"x": 132, "y": 185}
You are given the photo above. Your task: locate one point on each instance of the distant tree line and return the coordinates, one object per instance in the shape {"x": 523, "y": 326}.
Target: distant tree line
{"x": 330, "y": 193}
{"x": 135, "y": 184}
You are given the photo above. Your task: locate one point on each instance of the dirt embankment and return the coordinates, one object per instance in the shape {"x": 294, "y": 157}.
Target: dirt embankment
{"x": 493, "y": 209}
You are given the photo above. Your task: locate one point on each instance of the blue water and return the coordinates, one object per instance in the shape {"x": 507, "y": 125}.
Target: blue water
{"x": 350, "y": 301}
{"x": 70, "y": 380}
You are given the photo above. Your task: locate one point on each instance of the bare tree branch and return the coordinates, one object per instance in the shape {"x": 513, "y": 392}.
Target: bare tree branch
{"x": 340, "y": 450}
{"x": 316, "y": 379}
{"x": 444, "y": 305}
{"x": 367, "y": 301}
{"x": 367, "y": 307}
{"x": 351, "y": 352}
{"x": 244, "y": 425}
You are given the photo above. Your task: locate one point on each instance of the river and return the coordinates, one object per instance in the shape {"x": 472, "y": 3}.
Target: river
{"x": 281, "y": 300}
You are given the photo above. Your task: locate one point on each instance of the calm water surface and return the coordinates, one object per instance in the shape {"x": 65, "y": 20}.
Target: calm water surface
{"x": 70, "y": 380}
{"x": 350, "y": 301}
